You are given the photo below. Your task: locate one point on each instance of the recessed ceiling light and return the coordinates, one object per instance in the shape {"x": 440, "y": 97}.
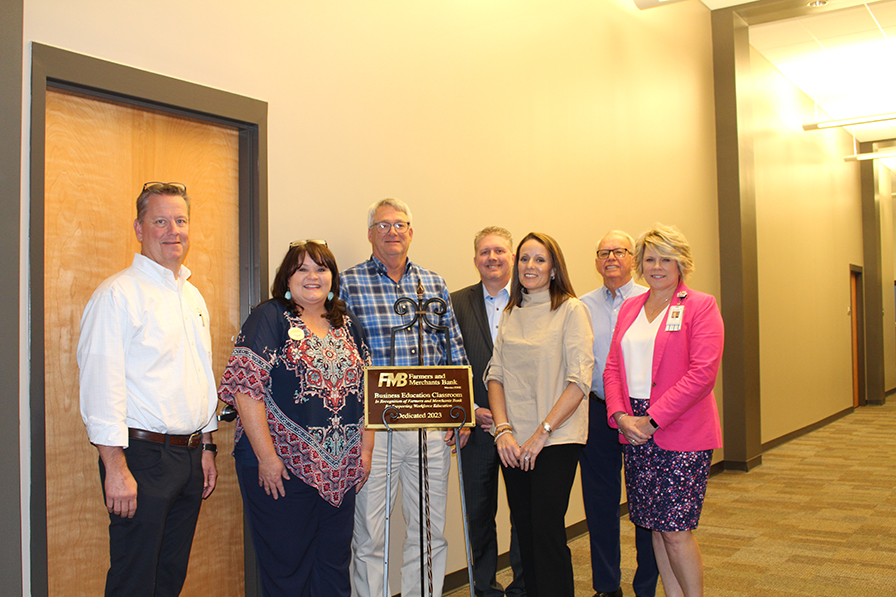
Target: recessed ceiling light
{"x": 817, "y": 3}
{"x": 849, "y": 121}
{"x": 874, "y": 155}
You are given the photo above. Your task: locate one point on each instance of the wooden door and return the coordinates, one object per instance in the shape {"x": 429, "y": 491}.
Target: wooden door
{"x": 98, "y": 155}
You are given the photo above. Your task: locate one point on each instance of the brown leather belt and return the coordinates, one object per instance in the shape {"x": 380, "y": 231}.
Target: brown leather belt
{"x": 190, "y": 441}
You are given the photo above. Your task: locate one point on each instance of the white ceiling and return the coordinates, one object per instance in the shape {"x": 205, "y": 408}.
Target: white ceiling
{"x": 843, "y": 59}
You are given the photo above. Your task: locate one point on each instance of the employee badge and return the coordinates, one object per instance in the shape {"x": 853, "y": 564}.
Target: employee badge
{"x": 673, "y": 322}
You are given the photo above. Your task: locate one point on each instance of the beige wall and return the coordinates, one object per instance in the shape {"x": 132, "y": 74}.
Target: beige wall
{"x": 808, "y": 207}
{"x": 570, "y": 117}
{"x": 564, "y": 116}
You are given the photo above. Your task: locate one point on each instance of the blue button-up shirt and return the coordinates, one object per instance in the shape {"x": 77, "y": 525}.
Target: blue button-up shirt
{"x": 370, "y": 293}
{"x": 494, "y": 307}
{"x": 604, "y": 309}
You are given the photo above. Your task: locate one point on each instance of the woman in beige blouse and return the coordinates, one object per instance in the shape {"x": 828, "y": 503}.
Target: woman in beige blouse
{"x": 538, "y": 376}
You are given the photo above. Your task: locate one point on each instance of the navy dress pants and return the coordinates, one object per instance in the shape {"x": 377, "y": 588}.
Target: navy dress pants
{"x": 601, "y": 461}
{"x": 481, "y": 465}
{"x": 303, "y": 543}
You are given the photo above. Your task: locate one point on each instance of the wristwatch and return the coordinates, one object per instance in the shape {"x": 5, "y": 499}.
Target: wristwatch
{"x": 547, "y": 427}
{"x": 652, "y": 422}
{"x": 213, "y": 448}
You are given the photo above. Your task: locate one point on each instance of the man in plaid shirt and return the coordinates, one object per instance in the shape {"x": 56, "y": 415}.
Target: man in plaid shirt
{"x": 370, "y": 290}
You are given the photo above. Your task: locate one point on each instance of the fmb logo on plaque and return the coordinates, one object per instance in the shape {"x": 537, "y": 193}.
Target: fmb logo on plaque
{"x": 395, "y": 380}
{"x": 421, "y": 396}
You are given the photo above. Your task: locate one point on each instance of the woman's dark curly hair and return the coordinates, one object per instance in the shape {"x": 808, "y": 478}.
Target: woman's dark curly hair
{"x": 294, "y": 257}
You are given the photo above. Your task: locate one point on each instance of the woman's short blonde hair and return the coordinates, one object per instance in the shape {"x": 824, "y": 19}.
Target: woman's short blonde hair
{"x": 666, "y": 241}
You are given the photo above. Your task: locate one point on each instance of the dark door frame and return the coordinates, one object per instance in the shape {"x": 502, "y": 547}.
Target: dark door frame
{"x": 857, "y": 272}
{"x": 56, "y": 68}
{"x": 11, "y": 505}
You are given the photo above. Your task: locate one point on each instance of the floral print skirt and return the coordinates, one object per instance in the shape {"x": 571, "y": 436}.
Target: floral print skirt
{"x": 665, "y": 488}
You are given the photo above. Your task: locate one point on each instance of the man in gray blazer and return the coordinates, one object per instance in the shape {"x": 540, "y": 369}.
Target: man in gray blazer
{"x": 478, "y": 310}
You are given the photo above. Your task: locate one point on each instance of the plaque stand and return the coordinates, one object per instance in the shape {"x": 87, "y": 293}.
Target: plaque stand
{"x": 421, "y": 318}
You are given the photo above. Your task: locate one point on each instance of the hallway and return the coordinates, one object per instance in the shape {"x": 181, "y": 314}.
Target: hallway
{"x": 817, "y": 518}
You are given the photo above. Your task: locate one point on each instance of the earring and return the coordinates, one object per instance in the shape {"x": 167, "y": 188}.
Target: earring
{"x": 552, "y": 276}
{"x": 330, "y": 296}
{"x": 288, "y": 295}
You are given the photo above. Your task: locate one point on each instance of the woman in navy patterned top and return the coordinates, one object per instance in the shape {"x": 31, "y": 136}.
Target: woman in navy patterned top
{"x": 301, "y": 451}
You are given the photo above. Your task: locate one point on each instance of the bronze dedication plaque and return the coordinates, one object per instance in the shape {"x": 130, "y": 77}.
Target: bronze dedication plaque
{"x": 420, "y": 396}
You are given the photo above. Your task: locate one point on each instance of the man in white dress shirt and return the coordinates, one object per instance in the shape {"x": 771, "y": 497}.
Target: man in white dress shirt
{"x": 601, "y": 458}
{"x": 148, "y": 400}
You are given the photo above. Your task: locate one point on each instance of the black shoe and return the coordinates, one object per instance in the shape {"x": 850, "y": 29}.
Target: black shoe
{"x": 616, "y": 593}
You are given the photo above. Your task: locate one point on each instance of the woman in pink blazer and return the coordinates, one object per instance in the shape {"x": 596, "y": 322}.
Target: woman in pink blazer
{"x": 659, "y": 377}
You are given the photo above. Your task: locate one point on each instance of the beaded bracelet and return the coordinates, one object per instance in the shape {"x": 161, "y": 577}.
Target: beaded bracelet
{"x": 500, "y": 433}
{"x": 502, "y": 427}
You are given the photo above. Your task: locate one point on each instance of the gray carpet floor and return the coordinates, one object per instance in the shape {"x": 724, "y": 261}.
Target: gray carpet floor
{"x": 818, "y": 517}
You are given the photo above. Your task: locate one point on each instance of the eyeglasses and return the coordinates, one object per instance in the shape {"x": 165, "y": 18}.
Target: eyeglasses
{"x": 176, "y": 185}
{"x": 301, "y": 243}
{"x": 385, "y": 227}
{"x": 618, "y": 253}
